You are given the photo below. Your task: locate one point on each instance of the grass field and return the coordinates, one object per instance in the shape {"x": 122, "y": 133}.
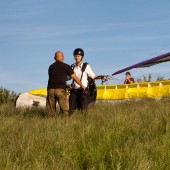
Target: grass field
{"x": 132, "y": 135}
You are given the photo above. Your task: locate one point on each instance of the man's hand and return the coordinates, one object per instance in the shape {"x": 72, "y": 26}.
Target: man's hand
{"x": 84, "y": 88}
{"x": 105, "y": 78}
{"x": 77, "y": 80}
{"x": 69, "y": 87}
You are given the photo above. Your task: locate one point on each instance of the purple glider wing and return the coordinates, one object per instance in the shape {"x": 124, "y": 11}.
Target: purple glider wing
{"x": 147, "y": 63}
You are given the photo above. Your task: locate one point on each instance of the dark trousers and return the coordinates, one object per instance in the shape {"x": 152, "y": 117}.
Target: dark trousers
{"x": 78, "y": 99}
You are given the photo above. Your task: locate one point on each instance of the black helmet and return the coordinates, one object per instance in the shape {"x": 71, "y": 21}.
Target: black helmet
{"x": 78, "y": 51}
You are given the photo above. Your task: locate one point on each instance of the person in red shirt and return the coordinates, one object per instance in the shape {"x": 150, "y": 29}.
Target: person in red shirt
{"x": 129, "y": 79}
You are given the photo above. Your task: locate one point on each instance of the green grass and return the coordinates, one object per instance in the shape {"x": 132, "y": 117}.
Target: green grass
{"x": 132, "y": 135}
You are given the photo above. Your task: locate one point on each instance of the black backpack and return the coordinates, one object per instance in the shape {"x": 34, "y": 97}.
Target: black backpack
{"x": 91, "y": 85}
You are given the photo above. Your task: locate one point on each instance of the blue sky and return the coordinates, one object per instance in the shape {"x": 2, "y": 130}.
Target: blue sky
{"x": 114, "y": 34}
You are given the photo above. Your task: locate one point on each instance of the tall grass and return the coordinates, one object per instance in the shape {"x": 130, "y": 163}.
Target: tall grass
{"x": 129, "y": 135}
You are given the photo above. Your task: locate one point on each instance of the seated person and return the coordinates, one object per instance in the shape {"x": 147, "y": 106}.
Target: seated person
{"x": 129, "y": 79}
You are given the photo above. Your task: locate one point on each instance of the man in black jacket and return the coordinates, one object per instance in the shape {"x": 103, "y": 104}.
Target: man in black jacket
{"x": 56, "y": 89}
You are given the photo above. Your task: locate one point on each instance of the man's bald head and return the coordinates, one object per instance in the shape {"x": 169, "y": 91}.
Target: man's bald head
{"x": 59, "y": 56}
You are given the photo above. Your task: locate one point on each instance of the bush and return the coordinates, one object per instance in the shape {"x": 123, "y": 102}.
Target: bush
{"x": 160, "y": 78}
{"x": 7, "y": 96}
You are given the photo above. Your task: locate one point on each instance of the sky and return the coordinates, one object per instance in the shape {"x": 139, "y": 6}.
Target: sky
{"x": 113, "y": 34}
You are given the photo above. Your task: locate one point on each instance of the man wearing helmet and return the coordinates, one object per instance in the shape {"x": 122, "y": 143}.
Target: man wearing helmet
{"x": 78, "y": 98}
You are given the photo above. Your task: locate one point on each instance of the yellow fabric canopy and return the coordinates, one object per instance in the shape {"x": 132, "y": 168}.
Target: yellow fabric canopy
{"x": 125, "y": 91}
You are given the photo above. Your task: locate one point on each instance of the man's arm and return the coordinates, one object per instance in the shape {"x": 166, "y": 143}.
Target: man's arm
{"x": 102, "y": 77}
{"x": 76, "y": 79}
{"x": 130, "y": 80}
{"x": 125, "y": 81}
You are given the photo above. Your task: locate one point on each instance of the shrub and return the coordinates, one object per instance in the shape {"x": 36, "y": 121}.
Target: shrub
{"x": 7, "y": 96}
